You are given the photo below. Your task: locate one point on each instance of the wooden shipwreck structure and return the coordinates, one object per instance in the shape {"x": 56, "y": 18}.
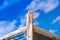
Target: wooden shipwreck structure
{"x": 32, "y": 32}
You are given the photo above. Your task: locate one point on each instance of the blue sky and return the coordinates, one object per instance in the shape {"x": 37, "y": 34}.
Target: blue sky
{"x": 13, "y": 15}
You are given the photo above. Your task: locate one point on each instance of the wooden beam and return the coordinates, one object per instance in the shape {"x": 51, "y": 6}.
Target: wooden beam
{"x": 13, "y": 34}
{"x": 45, "y": 33}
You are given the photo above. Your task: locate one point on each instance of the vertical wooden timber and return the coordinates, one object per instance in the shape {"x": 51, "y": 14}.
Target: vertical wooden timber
{"x": 29, "y": 25}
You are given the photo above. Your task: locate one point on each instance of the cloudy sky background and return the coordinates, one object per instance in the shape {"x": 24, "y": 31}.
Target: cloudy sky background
{"x": 13, "y": 15}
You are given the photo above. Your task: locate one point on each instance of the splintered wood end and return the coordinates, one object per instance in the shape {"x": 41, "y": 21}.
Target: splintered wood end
{"x": 30, "y": 11}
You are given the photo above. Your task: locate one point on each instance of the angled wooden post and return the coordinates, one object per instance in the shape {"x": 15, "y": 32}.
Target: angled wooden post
{"x": 13, "y": 34}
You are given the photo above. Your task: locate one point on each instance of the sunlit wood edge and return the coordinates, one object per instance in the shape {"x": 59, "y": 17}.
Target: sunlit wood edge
{"x": 45, "y": 33}
{"x": 14, "y": 33}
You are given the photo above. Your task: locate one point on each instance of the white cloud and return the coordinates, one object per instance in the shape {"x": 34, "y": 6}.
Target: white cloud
{"x": 53, "y": 31}
{"x": 35, "y": 6}
{"x": 36, "y": 22}
{"x": 56, "y": 20}
{"x": 51, "y": 5}
{"x": 36, "y": 15}
{"x": 6, "y": 27}
{"x": 7, "y": 3}
{"x": 46, "y": 6}
{"x": 22, "y": 21}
